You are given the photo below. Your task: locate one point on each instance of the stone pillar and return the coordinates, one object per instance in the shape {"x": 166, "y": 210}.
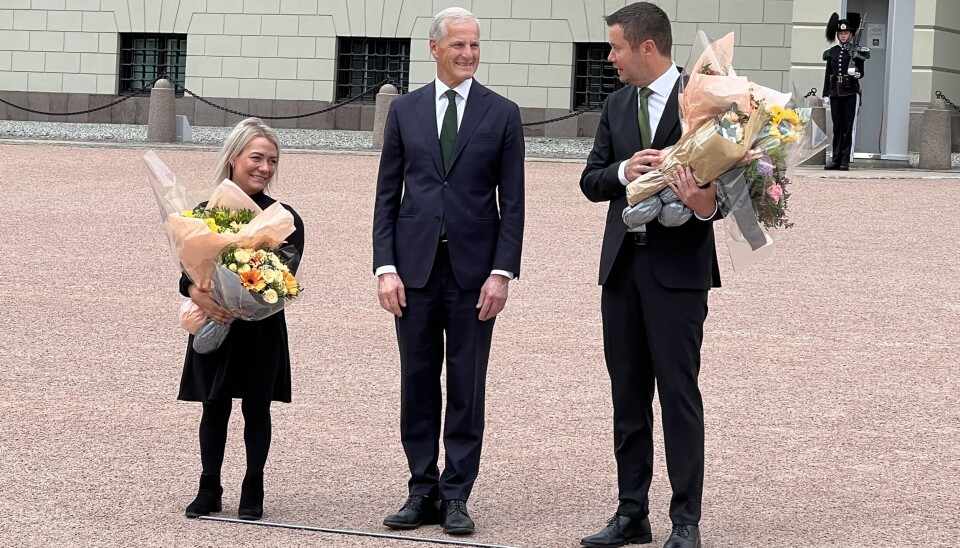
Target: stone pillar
{"x": 386, "y": 96}
{"x": 161, "y": 123}
{"x": 818, "y": 115}
{"x": 935, "y": 137}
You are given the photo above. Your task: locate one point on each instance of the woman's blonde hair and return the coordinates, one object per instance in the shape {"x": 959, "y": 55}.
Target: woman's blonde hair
{"x": 241, "y": 136}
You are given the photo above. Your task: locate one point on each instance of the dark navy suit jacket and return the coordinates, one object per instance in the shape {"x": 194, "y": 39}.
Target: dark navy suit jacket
{"x": 480, "y": 199}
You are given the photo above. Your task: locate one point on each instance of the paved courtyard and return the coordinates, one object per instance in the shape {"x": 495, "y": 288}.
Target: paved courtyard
{"x": 829, "y": 380}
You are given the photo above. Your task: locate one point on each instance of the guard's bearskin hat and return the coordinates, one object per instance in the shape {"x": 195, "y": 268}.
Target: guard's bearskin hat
{"x": 835, "y": 25}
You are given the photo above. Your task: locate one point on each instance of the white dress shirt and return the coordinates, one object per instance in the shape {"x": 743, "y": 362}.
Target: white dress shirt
{"x": 463, "y": 92}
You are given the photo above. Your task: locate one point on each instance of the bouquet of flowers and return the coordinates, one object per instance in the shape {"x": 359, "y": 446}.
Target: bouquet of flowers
{"x": 220, "y": 219}
{"x": 720, "y": 122}
{"x": 754, "y": 197}
{"x": 200, "y": 236}
{"x": 736, "y": 132}
{"x": 710, "y": 150}
{"x": 251, "y": 283}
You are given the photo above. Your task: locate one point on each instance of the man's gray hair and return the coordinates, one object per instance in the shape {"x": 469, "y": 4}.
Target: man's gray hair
{"x": 438, "y": 30}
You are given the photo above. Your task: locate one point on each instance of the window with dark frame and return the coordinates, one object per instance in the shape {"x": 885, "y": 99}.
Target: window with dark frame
{"x": 594, "y": 77}
{"x": 145, "y": 57}
{"x": 365, "y": 62}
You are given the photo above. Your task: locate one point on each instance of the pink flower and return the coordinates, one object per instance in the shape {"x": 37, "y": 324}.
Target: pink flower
{"x": 775, "y": 191}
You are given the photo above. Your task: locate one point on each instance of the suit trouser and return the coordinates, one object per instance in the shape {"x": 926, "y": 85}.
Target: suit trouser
{"x": 652, "y": 337}
{"x": 843, "y": 112}
{"x": 442, "y": 307}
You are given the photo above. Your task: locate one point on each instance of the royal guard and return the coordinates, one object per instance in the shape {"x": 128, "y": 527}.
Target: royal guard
{"x": 842, "y": 83}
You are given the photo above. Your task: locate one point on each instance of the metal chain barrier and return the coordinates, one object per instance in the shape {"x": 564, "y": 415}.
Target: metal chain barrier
{"x": 813, "y": 93}
{"x": 571, "y": 115}
{"x": 292, "y": 117}
{"x": 940, "y": 95}
{"x": 88, "y": 111}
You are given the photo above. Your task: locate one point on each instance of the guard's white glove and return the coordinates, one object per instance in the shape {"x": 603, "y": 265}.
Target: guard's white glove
{"x": 826, "y": 101}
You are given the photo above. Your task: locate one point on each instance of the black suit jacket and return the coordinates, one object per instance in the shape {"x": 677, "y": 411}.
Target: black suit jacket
{"x": 480, "y": 198}
{"x": 682, "y": 257}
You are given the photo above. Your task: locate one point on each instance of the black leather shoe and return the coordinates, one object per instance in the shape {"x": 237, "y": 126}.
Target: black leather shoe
{"x": 831, "y": 166}
{"x": 684, "y": 536}
{"x": 416, "y": 511}
{"x": 454, "y": 518}
{"x": 620, "y": 530}
{"x": 844, "y": 167}
{"x": 208, "y": 497}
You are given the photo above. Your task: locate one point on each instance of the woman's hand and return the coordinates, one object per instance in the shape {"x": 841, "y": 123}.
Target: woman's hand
{"x": 204, "y": 299}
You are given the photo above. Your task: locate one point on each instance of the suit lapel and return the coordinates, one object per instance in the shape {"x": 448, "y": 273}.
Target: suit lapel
{"x": 427, "y": 114}
{"x": 630, "y": 112}
{"x": 477, "y": 105}
{"x": 668, "y": 120}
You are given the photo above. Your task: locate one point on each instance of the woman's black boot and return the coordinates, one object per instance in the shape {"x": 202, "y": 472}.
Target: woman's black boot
{"x": 208, "y": 497}
{"x": 251, "y": 497}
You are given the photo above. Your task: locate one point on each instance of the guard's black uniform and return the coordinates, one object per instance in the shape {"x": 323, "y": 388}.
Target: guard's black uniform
{"x": 843, "y": 90}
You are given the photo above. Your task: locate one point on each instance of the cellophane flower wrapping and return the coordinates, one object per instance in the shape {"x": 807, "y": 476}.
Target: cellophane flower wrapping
{"x": 709, "y": 150}
{"x": 251, "y": 284}
{"x": 754, "y": 197}
{"x": 194, "y": 246}
{"x": 710, "y": 92}
{"x": 753, "y": 173}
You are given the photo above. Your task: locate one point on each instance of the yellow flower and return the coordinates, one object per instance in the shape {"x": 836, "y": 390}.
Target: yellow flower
{"x": 252, "y": 280}
{"x": 212, "y": 224}
{"x": 291, "y": 284}
{"x": 187, "y": 213}
{"x": 792, "y": 117}
{"x": 242, "y": 256}
{"x": 270, "y": 296}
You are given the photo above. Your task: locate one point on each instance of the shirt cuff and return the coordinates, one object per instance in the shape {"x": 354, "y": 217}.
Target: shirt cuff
{"x": 385, "y": 269}
{"x": 507, "y": 274}
{"x": 622, "y": 173}
{"x": 715, "y": 208}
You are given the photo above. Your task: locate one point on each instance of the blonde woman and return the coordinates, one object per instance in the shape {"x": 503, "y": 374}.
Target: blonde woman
{"x": 253, "y": 363}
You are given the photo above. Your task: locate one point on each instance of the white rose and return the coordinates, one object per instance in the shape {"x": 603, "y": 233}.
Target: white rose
{"x": 232, "y": 267}
{"x": 241, "y": 256}
{"x": 268, "y": 275}
{"x": 243, "y": 269}
{"x": 270, "y": 296}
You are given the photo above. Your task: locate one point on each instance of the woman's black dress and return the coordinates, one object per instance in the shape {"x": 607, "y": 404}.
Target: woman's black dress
{"x": 253, "y": 361}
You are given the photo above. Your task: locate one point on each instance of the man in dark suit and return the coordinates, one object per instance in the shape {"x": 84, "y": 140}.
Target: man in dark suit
{"x": 654, "y": 284}
{"x": 447, "y": 234}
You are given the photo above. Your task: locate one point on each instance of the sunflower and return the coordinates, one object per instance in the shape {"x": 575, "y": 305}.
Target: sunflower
{"x": 252, "y": 279}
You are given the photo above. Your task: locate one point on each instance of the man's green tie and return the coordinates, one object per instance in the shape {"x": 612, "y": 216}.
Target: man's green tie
{"x": 643, "y": 117}
{"x": 448, "y": 130}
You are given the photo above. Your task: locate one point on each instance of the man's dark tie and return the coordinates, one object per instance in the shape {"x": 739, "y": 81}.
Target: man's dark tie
{"x": 448, "y": 130}
{"x": 643, "y": 117}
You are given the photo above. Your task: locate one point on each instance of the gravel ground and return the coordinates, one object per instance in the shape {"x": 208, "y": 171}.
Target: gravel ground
{"x": 829, "y": 378}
